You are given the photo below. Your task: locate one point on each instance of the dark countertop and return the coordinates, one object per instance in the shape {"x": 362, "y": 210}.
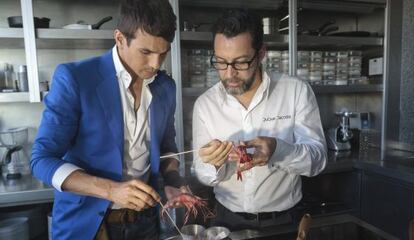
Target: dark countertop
{"x": 396, "y": 164}
{"x": 322, "y": 228}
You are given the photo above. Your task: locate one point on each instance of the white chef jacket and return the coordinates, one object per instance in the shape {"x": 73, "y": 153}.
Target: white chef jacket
{"x": 283, "y": 107}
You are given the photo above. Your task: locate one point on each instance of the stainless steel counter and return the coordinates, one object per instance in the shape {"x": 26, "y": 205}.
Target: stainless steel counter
{"x": 26, "y": 190}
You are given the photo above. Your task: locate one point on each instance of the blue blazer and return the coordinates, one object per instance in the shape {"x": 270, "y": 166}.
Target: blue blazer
{"x": 82, "y": 124}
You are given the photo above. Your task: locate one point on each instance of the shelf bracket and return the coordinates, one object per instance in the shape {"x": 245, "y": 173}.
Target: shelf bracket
{"x": 293, "y": 9}
{"x": 30, "y": 49}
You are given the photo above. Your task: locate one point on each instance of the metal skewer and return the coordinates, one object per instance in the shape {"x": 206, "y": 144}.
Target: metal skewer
{"x": 184, "y": 152}
{"x": 175, "y": 225}
{"x": 180, "y": 153}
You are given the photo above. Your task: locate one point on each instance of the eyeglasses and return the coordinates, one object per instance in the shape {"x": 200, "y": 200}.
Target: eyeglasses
{"x": 235, "y": 65}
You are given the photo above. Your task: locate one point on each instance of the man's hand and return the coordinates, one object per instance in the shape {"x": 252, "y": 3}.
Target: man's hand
{"x": 133, "y": 194}
{"x": 264, "y": 147}
{"x": 215, "y": 152}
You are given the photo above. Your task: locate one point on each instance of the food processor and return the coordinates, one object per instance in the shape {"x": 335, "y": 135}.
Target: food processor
{"x": 14, "y": 162}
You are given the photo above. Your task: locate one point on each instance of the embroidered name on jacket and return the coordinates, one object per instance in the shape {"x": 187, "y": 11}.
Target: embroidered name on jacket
{"x": 268, "y": 119}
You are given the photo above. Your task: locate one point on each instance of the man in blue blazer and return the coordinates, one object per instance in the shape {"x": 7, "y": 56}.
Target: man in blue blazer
{"x": 107, "y": 121}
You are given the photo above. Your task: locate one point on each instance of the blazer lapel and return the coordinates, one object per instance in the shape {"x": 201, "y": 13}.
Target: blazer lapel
{"x": 110, "y": 99}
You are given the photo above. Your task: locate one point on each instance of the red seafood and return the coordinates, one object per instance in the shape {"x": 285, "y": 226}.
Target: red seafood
{"x": 193, "y": 205}
{"x": 244, "y": 158}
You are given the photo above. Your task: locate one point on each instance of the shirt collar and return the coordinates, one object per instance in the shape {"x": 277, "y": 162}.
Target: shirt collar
{"x": 122, "y": 74}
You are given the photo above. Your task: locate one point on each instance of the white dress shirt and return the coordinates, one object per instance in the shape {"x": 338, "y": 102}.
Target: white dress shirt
{"x": 283, "y": 107}
{"x": 136, "y": 164}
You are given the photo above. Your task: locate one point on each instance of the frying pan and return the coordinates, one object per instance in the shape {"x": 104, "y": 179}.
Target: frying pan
{"x": 83, "y": 25}
{"x": 17, "y": 22}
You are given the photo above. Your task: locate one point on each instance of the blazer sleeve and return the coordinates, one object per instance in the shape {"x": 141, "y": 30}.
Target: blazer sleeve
{"x": 58, "y": 126}
{"x": 168, "y": 144}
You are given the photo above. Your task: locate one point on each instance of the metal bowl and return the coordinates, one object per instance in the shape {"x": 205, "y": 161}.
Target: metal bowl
{"x": 192, "y": 231}
{"x": 215, "y": 233}
{"x": 178, "y": 237}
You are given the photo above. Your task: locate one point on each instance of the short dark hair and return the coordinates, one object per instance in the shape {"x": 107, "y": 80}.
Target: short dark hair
{"x": 155, "y": 17}
{"x": 236, "y": 21}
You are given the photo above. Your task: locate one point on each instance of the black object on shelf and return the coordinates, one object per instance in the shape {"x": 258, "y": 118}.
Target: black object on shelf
{"x": 17, "y": 22}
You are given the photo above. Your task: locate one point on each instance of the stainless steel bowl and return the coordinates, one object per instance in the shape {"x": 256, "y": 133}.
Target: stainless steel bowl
{"x": 192, "y": 231}
{"x": 215, "y": 233}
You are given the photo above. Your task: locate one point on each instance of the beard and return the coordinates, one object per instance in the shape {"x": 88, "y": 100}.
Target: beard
{"x": 244, "y": 85}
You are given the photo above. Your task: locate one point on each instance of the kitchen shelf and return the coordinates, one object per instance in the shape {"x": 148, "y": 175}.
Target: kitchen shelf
{"x": 207, "y": 37}
{"x": 11, "y": 38}
{"x": 14, "y": 97}
{"x": 263, "y": 4}
{"x": 279, "y": 40}
{"x": 321, "y": 41}
{"x": 331, "y": 89}
{"x": 357, "y": 88}
{"x": 74, "y": 39}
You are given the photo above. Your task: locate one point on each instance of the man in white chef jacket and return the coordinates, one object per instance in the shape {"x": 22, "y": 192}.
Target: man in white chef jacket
{"x": 276, "y": 116}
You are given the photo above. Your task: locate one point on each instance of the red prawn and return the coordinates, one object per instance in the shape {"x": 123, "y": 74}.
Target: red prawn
{"x": 244, "y": 158}
{"x": 193, "y": 205}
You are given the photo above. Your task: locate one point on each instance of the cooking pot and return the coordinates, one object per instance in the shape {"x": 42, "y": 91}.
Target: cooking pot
{"x": 17, "y": 22}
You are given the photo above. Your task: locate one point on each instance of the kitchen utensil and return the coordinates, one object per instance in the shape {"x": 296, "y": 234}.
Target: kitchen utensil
{"x": 304, "y": 226}
{"x": 351, "y": 34}
{"x": 192, "y": 231}
{"x": 23, "y": 84}
{"x": 184, "y": 152}
{"x": 323, "y": 30}
{"x": 17, "y": 22}
{"x": 172, "y": 221}
{"x": 178, "y": 237}
{"x": 83, "y": 25}
{"x": 180, "y": 153}
{"x": 8, "y": 78}
{"x": 215, "y": 233}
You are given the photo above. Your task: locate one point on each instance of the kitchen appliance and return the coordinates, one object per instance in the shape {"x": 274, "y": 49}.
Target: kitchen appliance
{"x": 14, "y": 162}
{"x": 83, "y": 25}
{"x": 338, "y": 138}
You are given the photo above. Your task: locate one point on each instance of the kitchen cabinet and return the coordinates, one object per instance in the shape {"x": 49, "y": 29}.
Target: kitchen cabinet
{"x": 387, "y": 203}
